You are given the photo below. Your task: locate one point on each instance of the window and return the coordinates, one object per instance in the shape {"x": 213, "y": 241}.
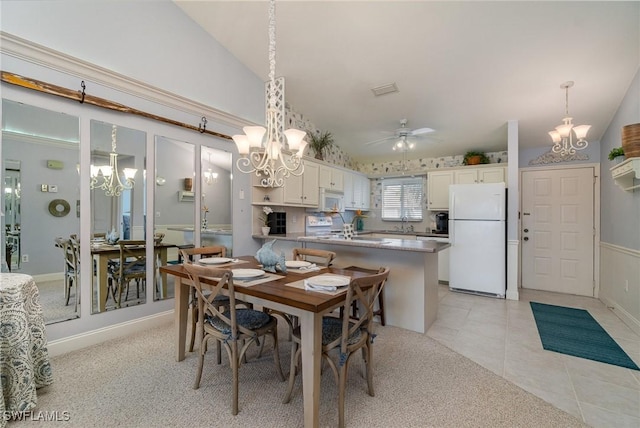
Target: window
{"x": 402, "y": 197}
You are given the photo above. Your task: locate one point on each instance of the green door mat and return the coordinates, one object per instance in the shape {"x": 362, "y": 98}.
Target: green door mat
{"x": 574, "y": 332}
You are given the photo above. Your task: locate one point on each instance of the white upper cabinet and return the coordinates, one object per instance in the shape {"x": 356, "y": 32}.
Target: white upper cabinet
{"x": 302, "y": 190}
{"x": 331, "y": 178}
{"x": 356, "y": 191}
{"x": 480, "y": 175}
{"x": 438, "y": 189}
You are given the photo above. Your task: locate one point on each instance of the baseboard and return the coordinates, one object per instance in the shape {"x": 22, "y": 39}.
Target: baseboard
{"x": 625, "y": 316}
{"x": 80, "y": 341}
{"x": 46, "y": 277}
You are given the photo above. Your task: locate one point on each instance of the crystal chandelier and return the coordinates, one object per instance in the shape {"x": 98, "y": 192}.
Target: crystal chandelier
{"x": 265, "y": 156}
{"x": 563, "y": 137}
{"x": 107, "y": 177}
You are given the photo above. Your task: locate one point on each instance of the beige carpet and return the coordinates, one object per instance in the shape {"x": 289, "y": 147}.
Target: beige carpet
{"x": 135, "y": 382}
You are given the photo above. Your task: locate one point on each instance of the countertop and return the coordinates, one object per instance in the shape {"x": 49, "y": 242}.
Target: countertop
{"x": 203, "y": 231}
{"x": 361, "y": 240}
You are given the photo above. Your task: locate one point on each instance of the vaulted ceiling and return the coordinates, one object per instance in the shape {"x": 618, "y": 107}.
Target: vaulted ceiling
{"x": 461, "y": 68}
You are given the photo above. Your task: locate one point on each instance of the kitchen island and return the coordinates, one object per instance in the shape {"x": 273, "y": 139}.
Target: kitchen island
{"x": 411, "y": 292}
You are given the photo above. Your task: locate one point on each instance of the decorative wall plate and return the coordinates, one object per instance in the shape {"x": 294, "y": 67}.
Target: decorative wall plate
{"x": 59, "y": 208}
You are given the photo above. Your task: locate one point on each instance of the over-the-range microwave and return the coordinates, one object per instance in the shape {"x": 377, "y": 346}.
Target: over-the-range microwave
{"x": 330, "y": 201}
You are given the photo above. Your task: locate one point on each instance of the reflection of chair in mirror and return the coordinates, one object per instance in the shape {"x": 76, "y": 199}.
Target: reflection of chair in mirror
{"x": 346, "y": 336}
{"x": 132, "y": 265}
{"x": 71, "y": 253}
{"x": 189, "y": 254}
{"x": 230, "y": 328}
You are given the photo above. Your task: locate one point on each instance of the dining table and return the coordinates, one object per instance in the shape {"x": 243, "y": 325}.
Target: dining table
{"x": 24, "y": 358}
{"x": 278, "y": 292}
{"x": 103, "y": 252}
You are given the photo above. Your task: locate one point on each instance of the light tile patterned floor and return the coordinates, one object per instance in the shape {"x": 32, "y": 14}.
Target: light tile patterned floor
{"x": 501, "y": 335}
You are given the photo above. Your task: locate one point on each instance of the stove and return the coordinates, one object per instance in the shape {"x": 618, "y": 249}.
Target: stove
{"x": 319, "y": 226}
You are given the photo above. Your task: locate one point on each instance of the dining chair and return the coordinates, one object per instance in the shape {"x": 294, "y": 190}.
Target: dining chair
{"x": 192, "y": 254}
{"x": 377, "y": 312}
{"x": 343, "y": 336}
{"x": 230, "y": 327}
{"x": 71, "y": 253}
{"x": 319, "y": 257}
{"x": 132, "y": 265}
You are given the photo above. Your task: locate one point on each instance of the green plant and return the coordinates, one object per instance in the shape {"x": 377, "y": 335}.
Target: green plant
{"x": 615, "y": 152}
{"x": 470, "y": 154}
{"x": 320, "y": 142}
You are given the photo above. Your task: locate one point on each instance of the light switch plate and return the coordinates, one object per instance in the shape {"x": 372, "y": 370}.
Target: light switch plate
{"x": 53, "y": 188}
{"x": 44, "y": 187}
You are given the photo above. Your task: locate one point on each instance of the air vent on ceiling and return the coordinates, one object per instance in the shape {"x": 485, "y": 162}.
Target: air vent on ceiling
{"x": 384, "y": 89}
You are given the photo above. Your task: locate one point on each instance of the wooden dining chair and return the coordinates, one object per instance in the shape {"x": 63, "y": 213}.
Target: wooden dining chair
{"x": 71, "y": 254}
{"x": 192, "y": 254}
{"x": 377, "y": 312}
{"x": 319, "y": 257}
{"x": 131, "y": 266}
{"x": 343, "y": 336}
{"x": 234, "y": 328}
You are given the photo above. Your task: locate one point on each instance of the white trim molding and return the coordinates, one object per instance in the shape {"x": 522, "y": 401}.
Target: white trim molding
{"x": 41, "y": 55}
{"x": 620, "y": 283}
{"x": 93, "y": 337}
{"x": 513, "y": 252}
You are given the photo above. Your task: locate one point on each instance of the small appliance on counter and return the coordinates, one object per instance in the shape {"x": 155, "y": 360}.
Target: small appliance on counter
{"x": 442, "y": 223}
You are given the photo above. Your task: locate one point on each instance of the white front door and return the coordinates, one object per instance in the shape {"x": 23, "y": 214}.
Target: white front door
{"x": 558, "y": 230}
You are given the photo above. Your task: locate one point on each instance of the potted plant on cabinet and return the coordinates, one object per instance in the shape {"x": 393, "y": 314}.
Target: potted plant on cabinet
{"x": 475, "y": 158}
{"x": 616, "y": 154}
{"x": 320, "y": 142}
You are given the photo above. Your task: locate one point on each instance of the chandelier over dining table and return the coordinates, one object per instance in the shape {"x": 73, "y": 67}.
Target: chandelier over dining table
{"x": 107, "y": 177}
{"x": 267, "y": 157}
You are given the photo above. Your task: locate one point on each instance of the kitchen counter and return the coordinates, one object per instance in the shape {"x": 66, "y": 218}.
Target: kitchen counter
{"x": 411, "y": 292}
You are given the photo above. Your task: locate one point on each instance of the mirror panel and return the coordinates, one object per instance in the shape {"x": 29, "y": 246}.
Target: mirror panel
{"x": 117, "y": 213}
{"x": 216, "y": 216}
{"x": 41, "y": 154}
{"x": 173, "y": 201}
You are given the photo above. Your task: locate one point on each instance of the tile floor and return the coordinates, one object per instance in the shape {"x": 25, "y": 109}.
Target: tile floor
{"x": 501, "y": 335}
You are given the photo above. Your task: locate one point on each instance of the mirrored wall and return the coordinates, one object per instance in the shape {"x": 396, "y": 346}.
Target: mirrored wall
{"x": 40, "y": 150}
{"x": 216, "y": 176}
{"x": 118, "y": 214}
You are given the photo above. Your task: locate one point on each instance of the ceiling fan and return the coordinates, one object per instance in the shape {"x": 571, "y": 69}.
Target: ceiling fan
{"x": 402, "y": 135}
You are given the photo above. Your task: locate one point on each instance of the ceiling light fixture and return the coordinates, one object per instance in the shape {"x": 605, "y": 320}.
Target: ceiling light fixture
{"x": 209, "y": 176}
{"x": 266, "y": 158}
{"x": 405, "y": 146}
{"x": 563, "y": 137}
{"x": 107, "y": 177}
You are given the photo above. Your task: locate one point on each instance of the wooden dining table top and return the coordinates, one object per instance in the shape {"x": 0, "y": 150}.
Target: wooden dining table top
{"x": 277, "y": 290}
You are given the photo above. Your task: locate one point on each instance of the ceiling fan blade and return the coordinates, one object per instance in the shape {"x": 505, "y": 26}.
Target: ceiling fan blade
{"x": 381, "y": 140}
{"x": 422, "y": 131}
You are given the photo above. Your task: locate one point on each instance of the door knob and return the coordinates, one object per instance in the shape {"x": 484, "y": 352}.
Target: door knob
{"x": 526, "y": 230}
{"x": 526, "y": 238}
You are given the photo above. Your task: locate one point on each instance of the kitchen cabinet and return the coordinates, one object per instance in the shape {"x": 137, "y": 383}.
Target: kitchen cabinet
{"x": 302, "y": 190}
{"x": 479, "y": 175}
{"x": 356, "y": 191}
{"x": 438, "y": 189}
{"x": 331, "y": 178}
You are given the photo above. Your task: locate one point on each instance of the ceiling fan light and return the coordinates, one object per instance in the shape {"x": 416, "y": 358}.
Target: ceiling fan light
{"x": 581, "y": 131}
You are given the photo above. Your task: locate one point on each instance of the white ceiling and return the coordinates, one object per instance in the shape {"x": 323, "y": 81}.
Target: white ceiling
{"x": 462, "y": 68}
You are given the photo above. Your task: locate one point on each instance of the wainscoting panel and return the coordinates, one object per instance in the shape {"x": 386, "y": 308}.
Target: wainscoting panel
{"x": 620, "y": 282}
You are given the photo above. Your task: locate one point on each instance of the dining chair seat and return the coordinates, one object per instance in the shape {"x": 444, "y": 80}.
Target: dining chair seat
{"x": 247, "y": 318}
{"x": 332, "y": 330}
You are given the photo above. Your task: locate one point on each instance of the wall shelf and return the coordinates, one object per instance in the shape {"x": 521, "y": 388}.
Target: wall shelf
{"x": 625, "y": 173}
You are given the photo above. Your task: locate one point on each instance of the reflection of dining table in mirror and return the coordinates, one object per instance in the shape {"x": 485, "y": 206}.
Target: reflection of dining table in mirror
{"x": 24, "y": 359}
{"x": 279, "y": 294}
{"x": 103, "y": 252}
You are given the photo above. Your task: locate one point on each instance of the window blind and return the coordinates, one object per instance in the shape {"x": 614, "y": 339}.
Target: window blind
{"x": 402, "y": 197}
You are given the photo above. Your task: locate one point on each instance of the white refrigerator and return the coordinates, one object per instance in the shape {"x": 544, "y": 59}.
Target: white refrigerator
{"x": 477, "y": 234}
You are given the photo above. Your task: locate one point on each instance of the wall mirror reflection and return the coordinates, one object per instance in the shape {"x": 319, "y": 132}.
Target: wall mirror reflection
{"x": 174, "y": 203}
{"x": 118, "y": 215}
{"x": 40, "y": 150}
{"x": 216, "y": 215}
